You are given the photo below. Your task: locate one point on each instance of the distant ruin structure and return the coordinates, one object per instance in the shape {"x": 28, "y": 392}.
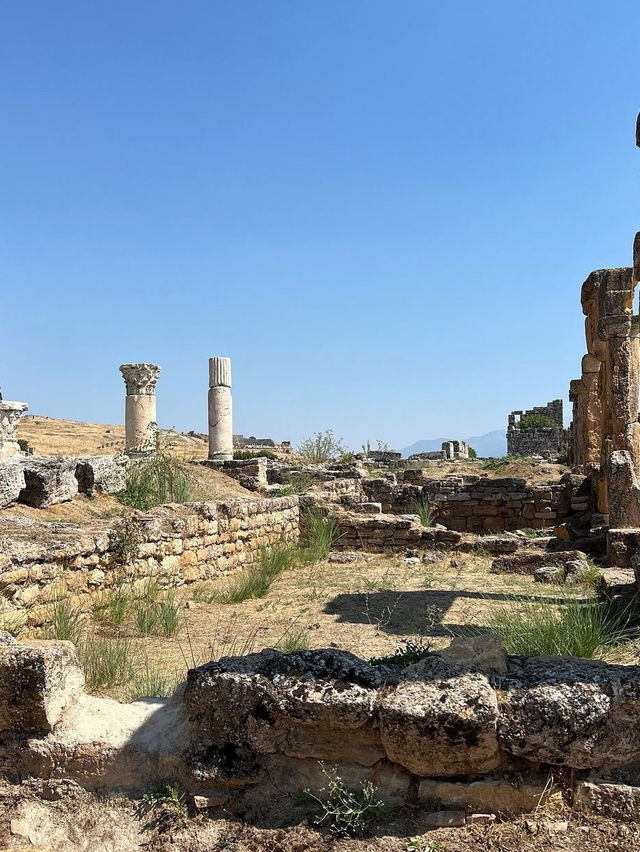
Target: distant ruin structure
{"x": 528, "y": 433}
{"x": 10, "y": 414}
{"x": 220, "y": 410}
{"x": 140, "y": 405}
{"x": 450, "y": 450}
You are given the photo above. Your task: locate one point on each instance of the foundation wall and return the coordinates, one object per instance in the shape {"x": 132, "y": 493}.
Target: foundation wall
{"x": 176, "y": 544}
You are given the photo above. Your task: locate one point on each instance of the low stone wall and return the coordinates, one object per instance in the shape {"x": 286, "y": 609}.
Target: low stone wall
{"x": 468, "y": 728}
{"x": 177, "y": 544}
{"x": 474, "y": 504}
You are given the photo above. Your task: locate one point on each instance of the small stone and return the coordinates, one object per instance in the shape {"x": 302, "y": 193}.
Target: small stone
{"x": 444, "y": 819}
{"x": 411, "y": 560}
{"x": 480, "y": 819}
{"x": 431, "y": 557}
{"x": 215, "y": 801}
{"x": 548, "y": 574}
{"x": 342, "y": 558}
{"x": 557, "y": 827}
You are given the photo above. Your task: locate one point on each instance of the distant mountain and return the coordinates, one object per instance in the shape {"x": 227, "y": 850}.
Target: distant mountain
{"x": 491, "y": 444}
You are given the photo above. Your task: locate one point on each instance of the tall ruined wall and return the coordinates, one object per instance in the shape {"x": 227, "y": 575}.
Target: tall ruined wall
{"x": 177, "y": 544}
{"x": 542, "y": 441}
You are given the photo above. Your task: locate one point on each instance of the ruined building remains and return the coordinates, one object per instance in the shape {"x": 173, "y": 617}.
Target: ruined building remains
{"x": 604, "y": 439}
{"x": 220, "y": 410}
{"x": 140, "y": 405}
{"x": 527, "y": 440}
{"x": 10, "y": 414}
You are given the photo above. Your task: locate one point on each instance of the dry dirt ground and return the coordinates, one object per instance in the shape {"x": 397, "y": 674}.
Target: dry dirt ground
{"x": 60, "y": 817}
{"x": 368, "y": 607}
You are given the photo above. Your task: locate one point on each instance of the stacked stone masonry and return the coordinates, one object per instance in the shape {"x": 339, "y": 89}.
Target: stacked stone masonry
{"x": 467, "y": 727}
{"x": 178, "y": 544}
{"x": 549, "y": 441}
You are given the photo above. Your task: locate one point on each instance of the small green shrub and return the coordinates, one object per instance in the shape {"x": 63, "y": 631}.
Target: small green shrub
{"x": 125, "y": 539}
{"x": 65, "y": 622}
{"x": 254, "y": 454}
{"x": 24, "y": 445}
{"x": 106, "y": 661}
{"x": 347, "y": 811}
{"x": 472, "y": 453}
{"x": 406, "y": 654}
{"x": 426, "y": 511}
{"x": 169, "y": 799}
{"x": 320, "y": 448}
{"x": 576, "y": 628}
{"x": 157, "y": 479}
{"x": 296, "y": 482}
{"x": 319, "y": 534}
{"x": 536, "y": 421}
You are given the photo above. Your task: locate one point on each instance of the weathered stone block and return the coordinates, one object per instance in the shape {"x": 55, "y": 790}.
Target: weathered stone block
{"x": 439, "y": 721}
{"x": 101, "y": 473}
{"x": 11, "y": 481}
{"x": 38, "y": 681}
{"x": 48, "y": 480}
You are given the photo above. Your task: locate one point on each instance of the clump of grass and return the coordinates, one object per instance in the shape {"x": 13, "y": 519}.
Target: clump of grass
{"x": 106, "y": 661}
{"x": 293, "y": 639}
{"x": 171, "y": 802}
{"x": 256, "y": 581}
{"x": 169, "y": 615}
{"x": 65, "y": 622}
{"x": 150, "y": 682}
{"x": 113, "y": 605}
{"x": 146, "y": 617}
{"x": 347, "y": 811}
{"x": 319, "y": 534}
{"x": 406, "y": 654}
{"x": 576, "y": 628}
{"x": 426, "y": 511}
{"x": 160, "y": 478}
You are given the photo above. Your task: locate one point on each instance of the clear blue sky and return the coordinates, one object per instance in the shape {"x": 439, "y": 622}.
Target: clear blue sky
{"x": 381, "y": 211}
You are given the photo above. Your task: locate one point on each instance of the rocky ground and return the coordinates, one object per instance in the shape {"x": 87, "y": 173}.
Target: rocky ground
{"x": 61, "y": 817}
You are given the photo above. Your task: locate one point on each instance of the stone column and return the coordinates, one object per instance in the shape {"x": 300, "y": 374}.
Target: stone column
{"x": 220, "y": 410}
{"x": 140, "y": 405}
{"x": 10, "y": 414}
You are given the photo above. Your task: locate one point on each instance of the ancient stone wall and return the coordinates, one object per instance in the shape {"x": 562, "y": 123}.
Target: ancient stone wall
{"x": 540, "y": 441}
{"x": 474, "y": 504}
{"x": 176, "y": 544}
{"x": 467, "y": 727}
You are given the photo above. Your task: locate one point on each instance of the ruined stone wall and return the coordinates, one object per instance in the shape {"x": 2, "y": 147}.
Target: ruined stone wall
{"x": 177, "y": 544}
{"x": 468, "y": 727}
{"x": 474, "y": 504}
{"x": 546, "y": 441}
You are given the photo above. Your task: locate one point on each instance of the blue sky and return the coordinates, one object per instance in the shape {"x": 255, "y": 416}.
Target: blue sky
{"x": 381, "y": 211}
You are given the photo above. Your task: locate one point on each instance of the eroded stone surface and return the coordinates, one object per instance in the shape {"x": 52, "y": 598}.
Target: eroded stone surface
{"x": 38, "y": 681}
{"x": 570, "y": 712}
{"x": 101, "y": 473}
{"x": 440, "y": 722}
{"x": 48, "y": 480}
{"x": 11, "y": 481}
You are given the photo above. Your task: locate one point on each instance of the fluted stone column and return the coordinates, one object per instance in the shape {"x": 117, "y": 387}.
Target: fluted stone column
{"x": 10, "y": 414}
{"x": 220, "y": 410}
{"x": 140, "y": 405}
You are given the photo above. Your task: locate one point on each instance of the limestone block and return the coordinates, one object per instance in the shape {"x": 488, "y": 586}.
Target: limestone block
{"x": 484, "y": 653}
{"x": 48, "y": 480}
{"x": 38, "y": 681}
{"x": 306, "y": 704}
{"x": 496, "y": 796}
{"x": 570, "y": 712}
{"x": 616, "y": 801}
{"x": 11, "y": 481}
{"x": 101, "y": 473}
{"x": 440, "y": 721}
